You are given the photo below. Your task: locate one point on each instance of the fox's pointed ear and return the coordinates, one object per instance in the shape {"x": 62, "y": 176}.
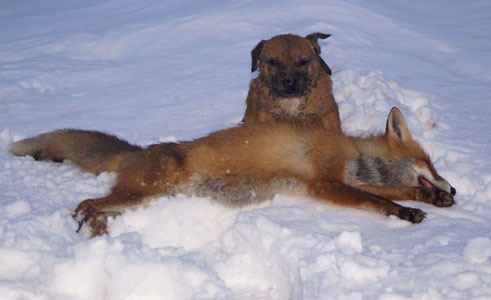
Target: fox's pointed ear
{"x": 255, "y": 53}
{"x": 397, "y": 126}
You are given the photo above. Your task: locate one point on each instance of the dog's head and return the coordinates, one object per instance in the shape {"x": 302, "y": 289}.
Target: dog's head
{"x": 289, "y": 63}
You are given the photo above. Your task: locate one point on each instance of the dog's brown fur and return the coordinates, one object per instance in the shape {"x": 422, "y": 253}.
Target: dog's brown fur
{"x": 293, "y": 84}
{"x": 251, "y": 163}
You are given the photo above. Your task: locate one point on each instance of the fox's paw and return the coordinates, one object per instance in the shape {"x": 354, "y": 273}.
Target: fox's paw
{"x": 426, "y": 194}
{"x": 436, "y": 197}
{"x": 98, "y": 224}
{"x": 443, "y": 199}
{"x": 412, "y": 215}
{"x": 84, "y": 210}
{"x": 85, "y": 214}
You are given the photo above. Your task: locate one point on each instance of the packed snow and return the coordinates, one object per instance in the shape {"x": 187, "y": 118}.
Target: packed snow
{"x": 156, "y": 71}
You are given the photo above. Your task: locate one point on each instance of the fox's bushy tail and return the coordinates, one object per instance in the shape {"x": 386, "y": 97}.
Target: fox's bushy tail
{"x": 92, "y": 151}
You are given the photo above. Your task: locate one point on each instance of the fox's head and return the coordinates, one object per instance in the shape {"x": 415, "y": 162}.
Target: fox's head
{"x": 421, "y": 171}
{"x": 398, "y": 161}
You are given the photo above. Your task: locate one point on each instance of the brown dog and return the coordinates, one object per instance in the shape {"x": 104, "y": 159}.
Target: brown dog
{"x": 293, "y": 83}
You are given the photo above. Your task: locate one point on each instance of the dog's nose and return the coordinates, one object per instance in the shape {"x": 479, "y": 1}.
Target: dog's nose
{"x": 453, "y": 191}
{"x": 290, "y": 83}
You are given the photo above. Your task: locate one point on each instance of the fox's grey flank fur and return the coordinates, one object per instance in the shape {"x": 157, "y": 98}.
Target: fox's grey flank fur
{"x": 249, "y": 190}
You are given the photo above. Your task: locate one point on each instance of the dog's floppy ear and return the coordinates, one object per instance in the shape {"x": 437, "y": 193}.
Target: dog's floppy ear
{"x": 313, "y": 37}
{"x": 255, "y": 55}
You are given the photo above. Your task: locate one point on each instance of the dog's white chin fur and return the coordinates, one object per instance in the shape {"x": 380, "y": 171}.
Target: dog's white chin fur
{"x": 291, "y": 105}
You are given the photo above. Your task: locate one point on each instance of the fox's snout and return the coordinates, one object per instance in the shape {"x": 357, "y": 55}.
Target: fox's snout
{"x": 453, "y": 191}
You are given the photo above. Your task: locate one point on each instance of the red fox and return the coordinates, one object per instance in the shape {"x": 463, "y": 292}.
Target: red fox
{"x": 251, "y": 163}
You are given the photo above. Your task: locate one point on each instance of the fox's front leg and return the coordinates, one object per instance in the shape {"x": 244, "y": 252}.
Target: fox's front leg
{"x": 345, "y": 195}
{"x": 429, "y": 195}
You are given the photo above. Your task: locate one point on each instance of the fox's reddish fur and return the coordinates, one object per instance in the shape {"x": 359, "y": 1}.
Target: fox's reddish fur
{"x": 241, "y": 165}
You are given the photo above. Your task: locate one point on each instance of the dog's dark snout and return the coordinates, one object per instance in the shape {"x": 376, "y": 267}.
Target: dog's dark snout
{"x": 290, "y": 84}
{"x": 453, "y": 191}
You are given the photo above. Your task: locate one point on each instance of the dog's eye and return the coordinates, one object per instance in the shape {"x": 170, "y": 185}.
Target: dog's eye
{"x": 272, "y": 62}
{"x": 303, "y": 62}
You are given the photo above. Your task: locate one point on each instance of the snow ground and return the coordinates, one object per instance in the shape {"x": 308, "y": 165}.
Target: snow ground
{"x": 154, "y": 71}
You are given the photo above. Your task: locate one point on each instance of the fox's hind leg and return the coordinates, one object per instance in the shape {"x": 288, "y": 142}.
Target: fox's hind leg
{"x": 154, "y": 171}
{"x": 345, "y": 195}
{"x": 125, "y": 195}
{"x": 94, "y": 212}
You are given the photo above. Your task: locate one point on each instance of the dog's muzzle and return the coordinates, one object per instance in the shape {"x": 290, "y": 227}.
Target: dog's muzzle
{"x": 288, "y": 86}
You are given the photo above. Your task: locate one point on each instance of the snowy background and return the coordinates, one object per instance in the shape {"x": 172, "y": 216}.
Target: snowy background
{"x": 153, "y": 71}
